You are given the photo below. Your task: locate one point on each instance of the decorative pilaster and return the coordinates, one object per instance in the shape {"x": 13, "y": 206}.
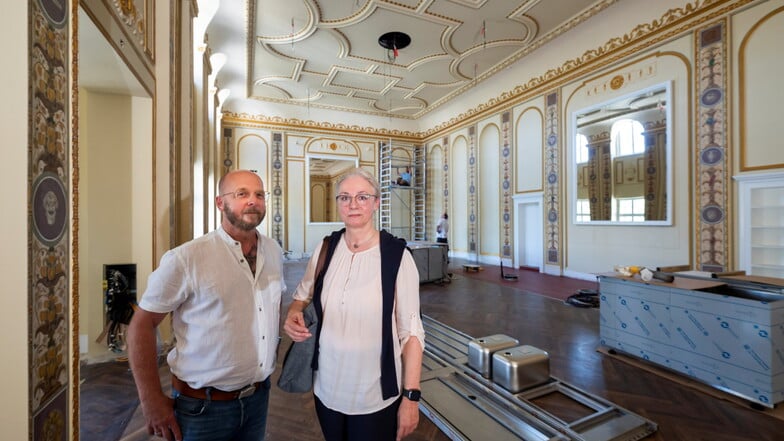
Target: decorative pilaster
{"x": 552, "y": 196}
{"x": 277, "y": 187}
{"x": 446, "y": 176}
{"x": 472, "y": 199}
{"x": 713, "y": 163}
{"x": 506, "y": 185}
{"x": 49, "y": 218}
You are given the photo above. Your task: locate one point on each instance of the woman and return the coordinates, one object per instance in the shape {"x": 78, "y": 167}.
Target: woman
{"x": 369, "y": 310}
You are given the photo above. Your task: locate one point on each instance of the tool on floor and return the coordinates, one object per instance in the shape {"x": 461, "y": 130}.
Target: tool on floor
{"x": 471, "y": 268}
{"x": 507, "y": 276}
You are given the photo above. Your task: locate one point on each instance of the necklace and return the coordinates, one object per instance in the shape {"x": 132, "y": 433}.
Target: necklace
{"x": 356, "y": 245}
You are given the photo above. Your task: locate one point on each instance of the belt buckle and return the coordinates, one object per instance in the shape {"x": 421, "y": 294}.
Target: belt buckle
{"x": 246, "y": 392}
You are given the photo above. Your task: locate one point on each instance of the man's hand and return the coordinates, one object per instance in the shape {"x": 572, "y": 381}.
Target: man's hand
{"x": 159, "y": 413}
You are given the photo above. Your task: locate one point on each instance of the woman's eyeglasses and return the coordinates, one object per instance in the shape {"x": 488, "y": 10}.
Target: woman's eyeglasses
{"x": 360, "y": 199}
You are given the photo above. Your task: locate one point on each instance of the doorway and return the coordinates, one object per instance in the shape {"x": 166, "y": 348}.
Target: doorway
{"x": 115, "y": 205}
{"x": 529, "y": 252}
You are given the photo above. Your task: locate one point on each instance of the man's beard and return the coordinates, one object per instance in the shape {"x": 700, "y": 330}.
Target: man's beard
{"x": 237, "y": 220}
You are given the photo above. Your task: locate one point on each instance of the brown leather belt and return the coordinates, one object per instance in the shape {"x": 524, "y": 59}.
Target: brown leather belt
{"x": 214, "y": 394}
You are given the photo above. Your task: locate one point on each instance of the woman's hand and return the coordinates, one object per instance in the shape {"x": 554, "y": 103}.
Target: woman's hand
{"x": 294, "y": 326}
{"x": 407, "y": 418}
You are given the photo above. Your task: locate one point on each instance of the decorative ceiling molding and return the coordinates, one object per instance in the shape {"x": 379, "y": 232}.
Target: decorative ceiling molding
{"x": 325, "y": 54}
{"x": 644, "y": 36}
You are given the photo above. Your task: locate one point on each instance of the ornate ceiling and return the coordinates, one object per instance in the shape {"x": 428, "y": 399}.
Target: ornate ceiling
{"x": 326, "y": 53}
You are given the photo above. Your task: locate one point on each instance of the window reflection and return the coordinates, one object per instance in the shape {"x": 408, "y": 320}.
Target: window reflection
{"x": 620, "y": 154}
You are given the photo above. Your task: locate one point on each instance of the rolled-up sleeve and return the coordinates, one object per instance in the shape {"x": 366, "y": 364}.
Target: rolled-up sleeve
{"x": 409, "y": 320}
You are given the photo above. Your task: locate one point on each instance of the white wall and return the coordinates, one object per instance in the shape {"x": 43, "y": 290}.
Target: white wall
{"x": 13, "y": 224}
{"x": 115, "y": 202}
{"x": 597, "y": 248}
{"x": 458, "y": 197}
{"x": 489, "y": 192}
{"x": 105, "y": 207}
{"x": 141, "y": 190}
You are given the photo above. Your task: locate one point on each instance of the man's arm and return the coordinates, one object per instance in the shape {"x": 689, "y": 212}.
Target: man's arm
{"x": 158, "y": 409}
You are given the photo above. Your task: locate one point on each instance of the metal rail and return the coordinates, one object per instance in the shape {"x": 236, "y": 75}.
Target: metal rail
{"x": 467, "y": 406}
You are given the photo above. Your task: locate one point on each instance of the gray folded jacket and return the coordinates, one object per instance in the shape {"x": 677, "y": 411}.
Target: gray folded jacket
{"x": 297, "y": 374}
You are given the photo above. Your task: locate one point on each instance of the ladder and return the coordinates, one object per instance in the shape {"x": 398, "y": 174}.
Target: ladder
{"x": 419, "y": 185}
{"x": 390, "y": 191}
{"x": 385, "y": 181}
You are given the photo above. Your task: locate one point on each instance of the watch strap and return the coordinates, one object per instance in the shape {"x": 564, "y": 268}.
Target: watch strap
{"x": 412, "y": 394}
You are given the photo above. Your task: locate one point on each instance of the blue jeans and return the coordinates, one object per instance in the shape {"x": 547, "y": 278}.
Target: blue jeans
{"x": 236, "y": 420}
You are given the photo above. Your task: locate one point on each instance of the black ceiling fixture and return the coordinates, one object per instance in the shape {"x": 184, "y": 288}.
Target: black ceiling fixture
{"x": 394, "y": 40}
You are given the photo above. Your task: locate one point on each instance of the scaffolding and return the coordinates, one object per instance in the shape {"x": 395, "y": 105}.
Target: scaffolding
{"x": 402, "y": 211}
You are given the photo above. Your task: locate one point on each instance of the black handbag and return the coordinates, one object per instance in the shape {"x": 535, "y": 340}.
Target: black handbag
{"x": 296, "y": 375}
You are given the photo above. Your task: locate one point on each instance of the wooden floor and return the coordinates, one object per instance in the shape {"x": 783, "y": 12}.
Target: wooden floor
{"x": 480, "y": 304}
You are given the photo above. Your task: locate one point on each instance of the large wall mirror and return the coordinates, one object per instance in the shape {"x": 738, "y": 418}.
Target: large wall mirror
{"x": 323, "y": 173}
{"x": 621, "y": 160}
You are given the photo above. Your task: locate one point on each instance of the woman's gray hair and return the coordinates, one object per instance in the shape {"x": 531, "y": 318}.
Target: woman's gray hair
{"x": 361, "y": 172}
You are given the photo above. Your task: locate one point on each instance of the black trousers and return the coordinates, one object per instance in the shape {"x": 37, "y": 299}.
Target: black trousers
{"x": 377, "y": 426}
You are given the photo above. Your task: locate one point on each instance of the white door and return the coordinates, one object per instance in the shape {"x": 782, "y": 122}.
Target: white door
{"x": 530, "y": 245}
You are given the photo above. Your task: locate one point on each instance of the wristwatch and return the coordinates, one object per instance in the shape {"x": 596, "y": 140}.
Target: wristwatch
{"x": 412, "y": 394}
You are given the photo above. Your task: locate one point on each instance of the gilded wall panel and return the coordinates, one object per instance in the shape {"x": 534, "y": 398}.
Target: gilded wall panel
{"x": 49, "y": 218}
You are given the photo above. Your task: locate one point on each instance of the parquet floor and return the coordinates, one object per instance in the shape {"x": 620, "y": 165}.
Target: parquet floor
{"x": 481, "y": 304}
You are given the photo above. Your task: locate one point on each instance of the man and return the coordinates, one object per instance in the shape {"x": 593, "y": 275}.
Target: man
{"x": 442, "y": 232}
{"x": 442, "y": 229}
{"x": 223, "y": 290}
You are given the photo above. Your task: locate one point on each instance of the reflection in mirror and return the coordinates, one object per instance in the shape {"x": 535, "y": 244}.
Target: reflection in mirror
{"x": 323, "y": 173}
{"x": 621, "y": 157}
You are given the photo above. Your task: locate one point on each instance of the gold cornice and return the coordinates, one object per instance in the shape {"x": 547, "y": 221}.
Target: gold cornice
{"x": 329, "y": 107}
{"x": 673, "y": 23}
{"x": 278, "y": 123}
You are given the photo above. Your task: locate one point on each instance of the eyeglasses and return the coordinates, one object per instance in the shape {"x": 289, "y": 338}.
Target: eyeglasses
{"x": 361, "y": 198}
{"x": 243, "y": 194}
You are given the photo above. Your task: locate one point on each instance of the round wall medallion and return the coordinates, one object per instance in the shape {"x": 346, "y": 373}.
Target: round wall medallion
{"x": 711, "y": 96}
{"x": 55, "y": 11}
{"x": 712, "y": 155}
{"x": 50, "y": 209}
{"x": 616, "y": 82}
{"x": 712, "y": 214}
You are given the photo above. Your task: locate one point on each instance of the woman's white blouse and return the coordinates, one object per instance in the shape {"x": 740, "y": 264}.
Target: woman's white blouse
{"x": 348, "y": 379}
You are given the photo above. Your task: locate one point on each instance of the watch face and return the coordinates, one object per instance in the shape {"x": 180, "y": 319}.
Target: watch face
{"x": 412, "y": 394}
